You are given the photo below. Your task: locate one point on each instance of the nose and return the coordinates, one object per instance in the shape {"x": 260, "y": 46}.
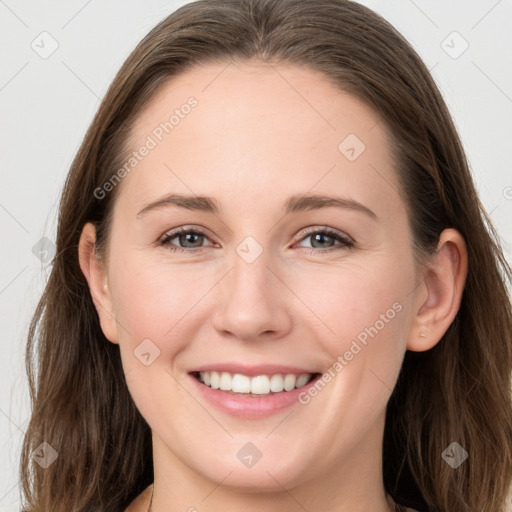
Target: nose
{"x": 253, "y": 301}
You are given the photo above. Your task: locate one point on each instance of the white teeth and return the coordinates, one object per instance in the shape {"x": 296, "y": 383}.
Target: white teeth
{"x": 289, "y": 382}
{"x": 240, "y": 383}
{"x": 225, "y": 381}
{"x": 276, "y": 383}
{"x": 302, "y": 380}
{"x": 215, "y": 380}
{"x": 258, "y": 385}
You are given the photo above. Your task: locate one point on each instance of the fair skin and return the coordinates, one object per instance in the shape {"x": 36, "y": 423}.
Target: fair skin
{"x": 258, "y": 136}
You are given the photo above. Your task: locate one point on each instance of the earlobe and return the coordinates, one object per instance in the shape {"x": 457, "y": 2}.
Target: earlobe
{"x": 95, "y": 273}
{"x": 438, "y": 298}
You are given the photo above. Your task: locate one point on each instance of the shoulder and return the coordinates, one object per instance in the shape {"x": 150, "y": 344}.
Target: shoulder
{"x": 141, "y": 502}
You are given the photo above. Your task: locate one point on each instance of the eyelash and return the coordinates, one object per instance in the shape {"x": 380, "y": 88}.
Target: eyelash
{"x": 345, "y": 241}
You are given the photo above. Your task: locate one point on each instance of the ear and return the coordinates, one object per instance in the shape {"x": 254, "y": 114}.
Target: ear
{"x": 95, "y": 273}
{"x": 437, "y": 299}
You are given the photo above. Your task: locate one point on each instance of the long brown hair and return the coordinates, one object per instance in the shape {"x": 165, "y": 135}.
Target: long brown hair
{"x": 459, "y": 391}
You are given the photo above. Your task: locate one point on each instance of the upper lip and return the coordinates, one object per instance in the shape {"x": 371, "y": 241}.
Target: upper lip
{"x": 252, "y": 370}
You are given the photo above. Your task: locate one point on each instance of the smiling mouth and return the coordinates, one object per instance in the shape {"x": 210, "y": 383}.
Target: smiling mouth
{"x": 258, "y": 386}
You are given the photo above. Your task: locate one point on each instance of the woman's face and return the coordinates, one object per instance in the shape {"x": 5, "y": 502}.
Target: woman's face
{"x": 252, "y": 290}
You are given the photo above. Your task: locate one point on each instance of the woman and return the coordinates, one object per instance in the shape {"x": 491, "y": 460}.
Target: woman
{"x": 256, "y": 369}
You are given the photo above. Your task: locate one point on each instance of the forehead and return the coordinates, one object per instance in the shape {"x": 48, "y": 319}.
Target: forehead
{"x": 245, "y": 127}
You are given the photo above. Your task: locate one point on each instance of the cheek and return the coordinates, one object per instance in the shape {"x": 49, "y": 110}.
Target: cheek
{"x": 361, "y": 301}
{"x": 364, "y": 313}
{"x": 151, "y": 299}
{"x": 154, "y": 305}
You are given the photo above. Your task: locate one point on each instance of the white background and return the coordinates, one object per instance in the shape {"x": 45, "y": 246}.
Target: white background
{"x": 47, "y": 104}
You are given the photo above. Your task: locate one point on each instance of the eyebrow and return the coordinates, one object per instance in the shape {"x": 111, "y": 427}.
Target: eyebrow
{"x": 296, "y": 203}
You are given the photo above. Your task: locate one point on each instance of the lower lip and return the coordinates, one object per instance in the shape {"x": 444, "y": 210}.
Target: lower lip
{"x": 250, "y": 407}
